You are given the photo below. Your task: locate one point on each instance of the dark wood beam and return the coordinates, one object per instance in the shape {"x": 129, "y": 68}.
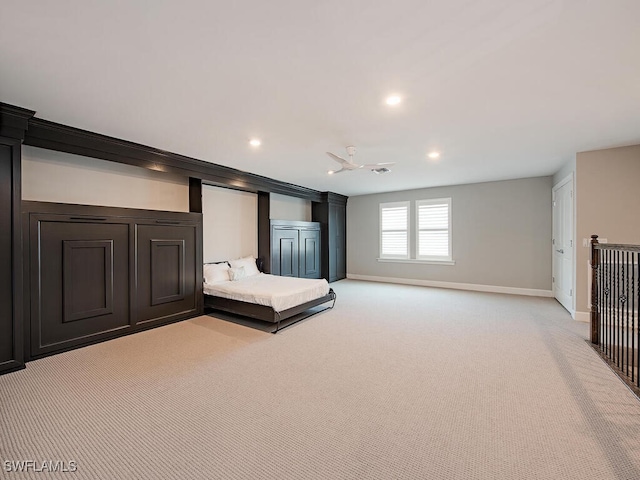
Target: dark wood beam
{"x": 62, "y": 138}
{"x": 14, "y": 121}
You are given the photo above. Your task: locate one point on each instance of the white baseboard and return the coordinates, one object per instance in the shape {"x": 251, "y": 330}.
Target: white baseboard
{"x": 532, "y": 292}
{"x": 583, "y": 317}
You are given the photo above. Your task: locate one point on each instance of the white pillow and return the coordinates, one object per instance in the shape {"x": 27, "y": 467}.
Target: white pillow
{"x": 216, "y": 272}
{"x": 236, "y": 274}
{"x": 249, "y": 264}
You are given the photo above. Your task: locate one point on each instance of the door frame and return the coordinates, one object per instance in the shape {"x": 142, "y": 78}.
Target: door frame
{"x": 568, "y": 179}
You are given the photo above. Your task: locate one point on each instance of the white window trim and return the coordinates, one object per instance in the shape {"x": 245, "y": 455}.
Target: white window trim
{"x": 391, "y": 205}
{"x": 433, "y": 258}
{"x": 411, "y": 260}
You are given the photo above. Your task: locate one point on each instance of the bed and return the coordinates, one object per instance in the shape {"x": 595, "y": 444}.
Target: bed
{"x": 240, "y": 288}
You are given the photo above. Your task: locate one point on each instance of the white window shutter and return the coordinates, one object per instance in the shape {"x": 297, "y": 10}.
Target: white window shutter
{"x": 394, "y": 230}
{"x": 434, "y": 229}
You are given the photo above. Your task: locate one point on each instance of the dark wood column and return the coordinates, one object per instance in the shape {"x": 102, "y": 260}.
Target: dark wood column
{"x": 195, "y": 195}
{"x": 331, "y": 212}
{"x": 13, "y": 125}
{"x": 264, "y": 229}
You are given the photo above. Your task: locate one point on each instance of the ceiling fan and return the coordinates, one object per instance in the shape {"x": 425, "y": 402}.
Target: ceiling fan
{"x": 348, "y": 165}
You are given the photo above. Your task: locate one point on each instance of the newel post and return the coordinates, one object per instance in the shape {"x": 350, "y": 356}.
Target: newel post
{"x": 595, "y": 266}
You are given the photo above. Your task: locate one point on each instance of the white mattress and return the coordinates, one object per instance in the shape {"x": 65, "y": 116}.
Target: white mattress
{"x": 279, "y": 293}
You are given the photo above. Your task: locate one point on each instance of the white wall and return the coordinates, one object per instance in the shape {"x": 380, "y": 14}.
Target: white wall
{"x": 501, "y": 232}
{"x": 50, "y": 176}
{"x": 230, "y": 224}
{"x": 283, "y": 207}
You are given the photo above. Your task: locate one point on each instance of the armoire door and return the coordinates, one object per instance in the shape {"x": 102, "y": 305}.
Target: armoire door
{"x": 284, "y": 252}
{"x": 309, "y": 252}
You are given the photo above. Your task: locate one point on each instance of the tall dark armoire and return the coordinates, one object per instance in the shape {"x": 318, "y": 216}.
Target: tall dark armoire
{"x": 331, "y": 212}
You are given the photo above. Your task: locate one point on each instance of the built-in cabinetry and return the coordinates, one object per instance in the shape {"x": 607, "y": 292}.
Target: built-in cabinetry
{"x": 99, "y": 272}
{"x": 75, "y": 275}
{"x": 295, "y": 249}
{"x": 331, "y": 213}
{"x": 13, "y": 124}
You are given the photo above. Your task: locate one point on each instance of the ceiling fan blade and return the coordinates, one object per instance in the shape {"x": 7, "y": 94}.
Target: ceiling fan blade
{"x": 334, "y": 172}
{"x": 338, "y": 159}
{"x": 376, "y": 165}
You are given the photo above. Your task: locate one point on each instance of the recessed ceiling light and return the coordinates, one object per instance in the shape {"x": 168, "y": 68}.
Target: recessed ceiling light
{"x": 255, "y": 142}
{"x": 393, "y": 100}
{"x": 434, "y": 155}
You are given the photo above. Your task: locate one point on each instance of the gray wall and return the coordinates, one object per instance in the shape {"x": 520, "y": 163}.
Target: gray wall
{"x": 501, "y": 234}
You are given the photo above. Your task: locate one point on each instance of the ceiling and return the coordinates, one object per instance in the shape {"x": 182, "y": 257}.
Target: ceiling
{"x": 502, "y": 89}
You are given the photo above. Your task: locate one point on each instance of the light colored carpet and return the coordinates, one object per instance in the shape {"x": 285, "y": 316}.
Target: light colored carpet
{"x": 396, "y": 382}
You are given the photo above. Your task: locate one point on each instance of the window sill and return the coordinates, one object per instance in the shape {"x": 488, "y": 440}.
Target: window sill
{"x": 413, "y": 260}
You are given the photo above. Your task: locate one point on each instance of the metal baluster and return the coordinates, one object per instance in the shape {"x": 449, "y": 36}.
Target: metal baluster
{"x": 637, "y": 305}
{"x": 633, "y": 314}
{"x": 626, "y": 306}
{"x": 601, "y": 306}
{"x": 611, "y": 303}
{"x": 604, "y": 301}
{"x": 623, "y": 301}
{"x": 609, "y": 298}
{"x": 600, "y": 300}
{"x": 617, "y": 310}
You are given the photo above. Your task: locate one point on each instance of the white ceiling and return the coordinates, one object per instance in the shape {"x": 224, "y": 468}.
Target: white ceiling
{"x": 504, "y": 89}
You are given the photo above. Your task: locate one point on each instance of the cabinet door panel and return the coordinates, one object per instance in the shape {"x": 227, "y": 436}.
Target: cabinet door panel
{"x": 284, "y": 255}
{"x": 165, "y": 271}
{"x": 81, "y": 291}
{"x": 309, "y": 244}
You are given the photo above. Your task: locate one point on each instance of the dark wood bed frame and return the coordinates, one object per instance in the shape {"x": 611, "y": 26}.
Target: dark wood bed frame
{"x": 268, "y": 314}
{"x": 263, "y": 312}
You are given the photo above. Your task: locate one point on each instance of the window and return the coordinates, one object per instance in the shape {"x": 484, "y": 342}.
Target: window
{"x": 434, "y": 229}
{"x": 394, "y": 230}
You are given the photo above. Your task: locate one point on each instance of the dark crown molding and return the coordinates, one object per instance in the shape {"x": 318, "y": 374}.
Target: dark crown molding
{"x": 336, "y": 198}
{"x": 14, "y": 121}
{"x": 63, "y": 138}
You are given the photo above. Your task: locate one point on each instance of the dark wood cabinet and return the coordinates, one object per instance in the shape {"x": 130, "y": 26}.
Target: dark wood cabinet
{"x": 96, "y": 273}
{"x": 331, "y": 213}
{"x": 166, "y": 275}
{"x": 337, "y": 242}
{"x": 295, "y": 249}
{"x": 13, "y": 125}
{"x": 11, "y": 354}
{"x": 309, "y": 253}
{"x": 79, "y": 283}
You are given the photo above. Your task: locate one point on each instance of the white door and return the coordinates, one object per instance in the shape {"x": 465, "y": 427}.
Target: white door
{"x": 563, "y": 243}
